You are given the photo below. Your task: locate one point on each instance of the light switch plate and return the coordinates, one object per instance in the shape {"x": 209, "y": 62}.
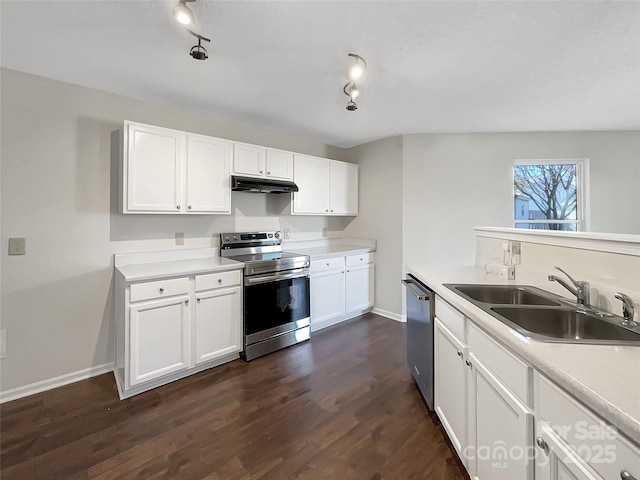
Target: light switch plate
{"x": 287, "y": 234}
{"x": 17, "y": 246}
{"x": 179, "y": 238}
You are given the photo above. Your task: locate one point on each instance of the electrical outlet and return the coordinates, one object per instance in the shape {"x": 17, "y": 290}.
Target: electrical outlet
{"x": 180, "y": 238}
{"x": 287, "y": 234}
{"x": 324, "y": 231}
{"x": 17, "y": 246}
{"x": 3, "y": 344}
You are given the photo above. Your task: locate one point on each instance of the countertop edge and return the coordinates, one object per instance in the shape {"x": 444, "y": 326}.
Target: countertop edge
{"x": 173, "y": 272}
{"x": 315, "y": 253}
{"x": 626, "y": 423}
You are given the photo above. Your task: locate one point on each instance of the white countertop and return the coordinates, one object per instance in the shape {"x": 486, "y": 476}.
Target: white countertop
{"x": 331, "y": 251}
{"x": 606, "y": 378}
{"x": 152, "y": 270}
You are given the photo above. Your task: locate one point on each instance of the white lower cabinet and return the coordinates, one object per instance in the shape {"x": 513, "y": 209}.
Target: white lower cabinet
{"x": 159, "y": 338}
{"x": 341, "y": 288}
{"x": 555, "y": 460}
{"x": 169, "y": 328}
{"x": 217, "y": 331}
{"x": 450, "y": 376}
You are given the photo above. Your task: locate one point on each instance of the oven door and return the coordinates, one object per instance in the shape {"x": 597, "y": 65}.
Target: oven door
{"x": 275, "y": 303}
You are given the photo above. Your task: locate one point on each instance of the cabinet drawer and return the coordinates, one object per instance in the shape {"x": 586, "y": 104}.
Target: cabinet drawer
{"x": 512, "y": 372}
{"x": 159, "y": 289}
{"x": 450, "y": 318}
{"x": 327, "y": 264}
{"x": 218, "y": 280}
{"x": 363, "y": 259}
{"x": 598, "y": 443}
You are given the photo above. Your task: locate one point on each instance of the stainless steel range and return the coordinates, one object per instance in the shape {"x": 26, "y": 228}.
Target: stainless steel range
{"x": 276, "y": 291}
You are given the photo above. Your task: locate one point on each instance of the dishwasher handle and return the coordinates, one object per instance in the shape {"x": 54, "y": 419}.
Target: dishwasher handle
{"x": 421, "y": 295}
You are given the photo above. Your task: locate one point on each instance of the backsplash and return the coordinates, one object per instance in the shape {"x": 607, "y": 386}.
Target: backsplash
{"x": 606, "y": 272}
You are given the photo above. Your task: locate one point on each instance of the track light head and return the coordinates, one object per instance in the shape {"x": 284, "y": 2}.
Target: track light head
{"x": 183, "y": 14}
{"x": 351, "y": 106}
{"x": 356, "y": 71}
{"x": 198, "y": 52}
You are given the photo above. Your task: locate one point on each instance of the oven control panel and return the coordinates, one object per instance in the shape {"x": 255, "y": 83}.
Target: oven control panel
{"x": 250, "y": 238}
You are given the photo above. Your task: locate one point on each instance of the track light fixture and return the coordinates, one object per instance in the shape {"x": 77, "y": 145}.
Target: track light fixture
{"x": 355, "y": 73}
{"x": 183, "y": 14}
{"x": 198, "y": 52}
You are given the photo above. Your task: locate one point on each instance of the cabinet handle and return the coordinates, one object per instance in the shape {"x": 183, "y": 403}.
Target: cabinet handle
{"x": 178, "y": 207}
{"x": 468, "y": 363}
{"x": 186, "y": 302}
{"x": 459, "y": 353}
{"x": 625, "y": 475}
{"x": 161, "y": 289}
{"x": 543, "y": 445}
{"x": 188, "y": 207}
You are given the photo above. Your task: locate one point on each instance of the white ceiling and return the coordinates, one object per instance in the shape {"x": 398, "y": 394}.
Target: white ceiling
{"x": 480, "y": 66}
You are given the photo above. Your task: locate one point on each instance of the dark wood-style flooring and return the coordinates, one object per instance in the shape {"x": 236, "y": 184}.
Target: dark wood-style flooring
{"x": 342, "y": 406}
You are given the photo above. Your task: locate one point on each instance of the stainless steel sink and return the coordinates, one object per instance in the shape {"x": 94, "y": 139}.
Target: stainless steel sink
{"x": 544, "y": 316}
{"x": 563, "y": 324}
{"x": 504, "y": 294}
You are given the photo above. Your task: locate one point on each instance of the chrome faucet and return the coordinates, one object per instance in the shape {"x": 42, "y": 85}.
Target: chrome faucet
{"x": 581, "y": 290}
{"x": 627, "y": 309}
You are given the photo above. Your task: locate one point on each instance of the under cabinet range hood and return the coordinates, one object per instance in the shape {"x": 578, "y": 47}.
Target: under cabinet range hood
{"x": 261, "y": 185}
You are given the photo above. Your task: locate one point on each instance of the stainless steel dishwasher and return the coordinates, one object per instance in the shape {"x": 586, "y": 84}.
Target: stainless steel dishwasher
{"x": 420, "y": 319}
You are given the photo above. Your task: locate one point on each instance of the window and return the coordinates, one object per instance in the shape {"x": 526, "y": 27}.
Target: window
{"x": 550, "y": 194}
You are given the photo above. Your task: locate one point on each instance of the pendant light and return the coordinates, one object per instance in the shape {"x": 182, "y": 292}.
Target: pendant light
{"x": 355, "y": 73}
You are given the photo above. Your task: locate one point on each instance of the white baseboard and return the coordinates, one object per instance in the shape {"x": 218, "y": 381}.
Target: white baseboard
{"x": 43, "y": 385}
{"x": 388, "y": 314}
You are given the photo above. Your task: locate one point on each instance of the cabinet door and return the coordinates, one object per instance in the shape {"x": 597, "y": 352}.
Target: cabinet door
{"x": 153, "y": 169}
{"x": 218, "y": 325}
{"x": 327, "y": 297}
{"x": 311, "y": 174}
{"x": 450, "y": 374}
{"x": 359, "y": 288}
{"x": 158, "y": 338}
{"x": 279, "y": 164}
{"x": 208, "y": 169}
{"x": 248, "y": 160}
{"x": 343, "y": 188}
{"x": 501, "y": 429}
{"x": 555, "y": 460}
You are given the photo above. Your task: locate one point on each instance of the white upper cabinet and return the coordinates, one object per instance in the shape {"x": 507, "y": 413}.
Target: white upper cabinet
{"x": 152, "y": 179}
{"x": 343, "y": 178}
{"x": 257, "y": 161}
{"x": 279, "y": 164}
{"x": 311, "y": 175}
{"x": 326, "y": 187}
{"x": 208, "y": 170}
{"x": 168, "y": 171}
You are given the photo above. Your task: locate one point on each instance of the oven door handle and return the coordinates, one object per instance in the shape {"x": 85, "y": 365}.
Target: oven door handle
{"x": 298, "y": 273}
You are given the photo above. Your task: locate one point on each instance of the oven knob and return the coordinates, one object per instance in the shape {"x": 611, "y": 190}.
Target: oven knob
{"x": 277, "y": 234}
{"x": 270, "y": 235}
{"x": 235, "y": 237}
{"x": 227, "y": 238}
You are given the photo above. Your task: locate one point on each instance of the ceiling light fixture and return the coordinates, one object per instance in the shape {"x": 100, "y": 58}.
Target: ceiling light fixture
{"x": 355, "y": 73}
{"x": 198, "y": 52}
{"x": 183, "y": 14}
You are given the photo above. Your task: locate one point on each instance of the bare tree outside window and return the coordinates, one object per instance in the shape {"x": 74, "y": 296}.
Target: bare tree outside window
{"x": 546, "y": 196}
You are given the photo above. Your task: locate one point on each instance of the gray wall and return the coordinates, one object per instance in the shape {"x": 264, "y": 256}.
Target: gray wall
{"x": 453, "y": 182}
{"x": 58, "y": 191}
{"x": 380, "y": 215}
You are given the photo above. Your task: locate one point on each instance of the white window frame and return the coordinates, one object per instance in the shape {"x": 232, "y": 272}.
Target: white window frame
{"x": 583, "y": 210}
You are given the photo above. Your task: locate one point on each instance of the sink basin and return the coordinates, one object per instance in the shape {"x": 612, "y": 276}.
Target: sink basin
{"x": 565, "y": 325}
{"x": 503, "y": 294}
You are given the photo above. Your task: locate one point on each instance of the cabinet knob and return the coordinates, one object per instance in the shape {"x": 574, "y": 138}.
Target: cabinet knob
{"x": 198, "y": 300}
{"x": 268, "y": 173}
{"x": 189, "y": 207}
{"x": 342, "y": 271}
{"x": 326, "y": 210}
{"x": 327, "y": 264}
{"x": 625, "y": 475}
{"x": 468, "y": 363}
{"x": 161, "y": 289}
{"x": 360, "y": 257}
{"x": 178, "y": 207}
{"x": 543, "y": 445}
{"x": 332, "y": 209}
{"x": 260, "y": 171}
{"x": 186, "y": 302}
{"x": 459, "y": 353}
{"x": 219, "y": 280}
